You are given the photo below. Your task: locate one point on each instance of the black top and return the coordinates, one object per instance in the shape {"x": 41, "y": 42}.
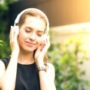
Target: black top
{"x": 27, "y": 76}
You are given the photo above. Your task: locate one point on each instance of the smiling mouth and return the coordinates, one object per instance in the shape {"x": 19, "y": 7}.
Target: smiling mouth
{"x": 30, "y": 44}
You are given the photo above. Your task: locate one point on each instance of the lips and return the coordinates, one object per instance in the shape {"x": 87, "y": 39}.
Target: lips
{"x": 29, "y": 43}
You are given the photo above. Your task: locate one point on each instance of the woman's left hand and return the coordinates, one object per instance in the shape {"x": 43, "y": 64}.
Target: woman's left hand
{"x": 42, "y": 49}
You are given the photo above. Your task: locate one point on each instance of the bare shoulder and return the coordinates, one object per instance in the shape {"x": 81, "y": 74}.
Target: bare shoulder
{"x": 50, "y": 66}
{"x": 51, "y": 69}
{"x": 2, "y": 64}
{"x": 51, "y": 72}
{"x": 2, "y": 67}
{"x": 51, "y": 75}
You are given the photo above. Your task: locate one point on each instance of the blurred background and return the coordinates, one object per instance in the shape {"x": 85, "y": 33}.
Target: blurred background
{"x": 69, "y": 34}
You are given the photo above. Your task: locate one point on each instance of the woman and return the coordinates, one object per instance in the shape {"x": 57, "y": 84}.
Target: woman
{"x": 26, "y": 69}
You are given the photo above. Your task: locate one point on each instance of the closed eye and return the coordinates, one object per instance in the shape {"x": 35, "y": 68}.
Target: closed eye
{"x": 28, "y": 30}
{"x": 40, "y": 33}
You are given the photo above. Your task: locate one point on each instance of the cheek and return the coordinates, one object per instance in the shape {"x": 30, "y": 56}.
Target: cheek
{"x": 21, "y": 37}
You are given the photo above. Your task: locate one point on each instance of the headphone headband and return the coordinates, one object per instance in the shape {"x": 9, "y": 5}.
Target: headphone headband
{"x": 32, "y": 10}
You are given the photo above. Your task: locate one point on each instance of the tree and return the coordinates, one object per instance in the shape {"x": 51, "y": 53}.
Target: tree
{"x": 4, "y": 44}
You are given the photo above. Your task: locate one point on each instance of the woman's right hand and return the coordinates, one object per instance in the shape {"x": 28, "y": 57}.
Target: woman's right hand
{"x": 14, "y": 32}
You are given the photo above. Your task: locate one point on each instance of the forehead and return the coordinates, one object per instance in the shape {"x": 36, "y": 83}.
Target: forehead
{"x": 35, "y": 22}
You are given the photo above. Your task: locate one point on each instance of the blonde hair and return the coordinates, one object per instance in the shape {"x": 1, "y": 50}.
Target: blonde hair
{"x": 33, "y": 12}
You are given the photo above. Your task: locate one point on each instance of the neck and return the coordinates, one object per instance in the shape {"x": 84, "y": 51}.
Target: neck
{"x": 26, "y": 58}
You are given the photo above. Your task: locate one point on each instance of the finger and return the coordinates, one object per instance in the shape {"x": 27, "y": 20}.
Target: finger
{"x": 11, "y": 34}
{"x": 14, "y": 36}
{"x": 48, "y": 41}
{"x": 47, "y": 45}
{"x": 16, "y": 32}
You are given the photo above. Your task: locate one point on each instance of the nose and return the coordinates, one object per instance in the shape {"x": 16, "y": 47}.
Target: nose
{"x": 32, "y": 36}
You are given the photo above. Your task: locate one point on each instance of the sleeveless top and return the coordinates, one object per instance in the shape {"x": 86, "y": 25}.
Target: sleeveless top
{"x": 27, "y": 77}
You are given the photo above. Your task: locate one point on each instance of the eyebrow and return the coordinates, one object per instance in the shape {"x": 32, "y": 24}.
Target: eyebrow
{"x": 29, "y": 27}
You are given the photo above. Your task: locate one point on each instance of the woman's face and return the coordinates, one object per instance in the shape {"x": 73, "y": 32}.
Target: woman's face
{"x": 31, "y": 33}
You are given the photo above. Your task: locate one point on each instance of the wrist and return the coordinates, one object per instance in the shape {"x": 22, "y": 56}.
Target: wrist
{"x": 40, "y": 65}
{"x": 41, "y": 68}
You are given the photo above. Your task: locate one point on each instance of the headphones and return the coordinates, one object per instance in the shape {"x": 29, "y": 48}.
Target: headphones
{"x": 32, "y": 10}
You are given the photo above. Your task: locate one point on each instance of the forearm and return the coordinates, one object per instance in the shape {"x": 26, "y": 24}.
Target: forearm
{"x": 9, "y": 78}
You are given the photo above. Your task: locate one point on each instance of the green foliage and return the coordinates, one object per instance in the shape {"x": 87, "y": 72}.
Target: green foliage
{"x": 4, "y": 47}
{"x": 67, "y": 59}
{"x": 3, "y": 14}
{"x": 5, "y": 3}
{"x": 4, "y": 42}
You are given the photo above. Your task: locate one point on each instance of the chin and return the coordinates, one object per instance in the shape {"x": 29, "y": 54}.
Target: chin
{"x": 29, "y": 49}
